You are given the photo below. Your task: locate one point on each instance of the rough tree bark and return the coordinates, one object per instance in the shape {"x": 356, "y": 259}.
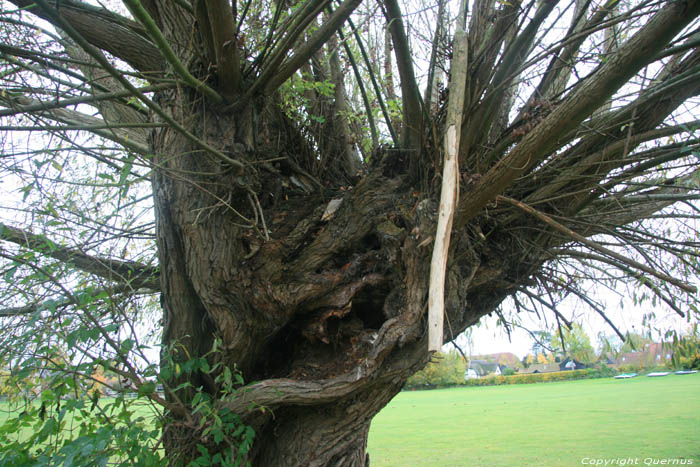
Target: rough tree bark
{"x": 323, "y": 310}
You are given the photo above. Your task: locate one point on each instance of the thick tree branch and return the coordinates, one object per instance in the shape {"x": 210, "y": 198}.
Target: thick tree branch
{"x": 112, "y": 110}
{"x": 449, "y": 192}
{"x": 341, "y": 110}
{"x": 476, "y": 130}
{"x": 168, "y": 53}
{"x": 438, "y": 38}
{"x": 136, "y": 275}
{"x": 105, "y": 30}
{"x": 536, "y": 145}
{"x": 132, "y": 139}
{"x": 412, "y": 131}
{"x": 88, "y": 99}
{"x": 223, "y": 33}
{"x": 97, "y": 55}
{"x": 561, "y": 65}
{"x": 298, "y": 24}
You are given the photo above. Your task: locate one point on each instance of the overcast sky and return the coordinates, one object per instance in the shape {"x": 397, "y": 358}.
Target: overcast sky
{"x": 489, "y": 337}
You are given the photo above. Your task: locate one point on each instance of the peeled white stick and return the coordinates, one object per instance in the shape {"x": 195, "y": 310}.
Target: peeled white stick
{"x": 449, "y": 192}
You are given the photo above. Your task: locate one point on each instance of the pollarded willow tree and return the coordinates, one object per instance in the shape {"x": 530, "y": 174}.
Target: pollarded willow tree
{"x": 313, "y": 193}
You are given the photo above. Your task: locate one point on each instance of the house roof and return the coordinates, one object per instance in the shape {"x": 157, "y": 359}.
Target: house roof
{"x": 483, "y": 368}
{"x": 490, "y": 367}
{"x": 541, "y": 368}
{"x": 504, "y": 358}
{"x": 571, "y": 359}
{"x": 651, "y": 353}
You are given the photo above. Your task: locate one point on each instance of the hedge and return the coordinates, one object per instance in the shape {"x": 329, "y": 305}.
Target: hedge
{"x": 530, "y": 378}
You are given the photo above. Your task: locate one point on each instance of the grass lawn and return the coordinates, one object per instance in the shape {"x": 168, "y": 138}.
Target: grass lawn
{"x": 546, "y": 424}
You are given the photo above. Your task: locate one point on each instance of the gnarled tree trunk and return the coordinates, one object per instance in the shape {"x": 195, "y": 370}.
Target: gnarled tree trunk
{"x": 312, "y": 276}
{"x": 316, "y": 308}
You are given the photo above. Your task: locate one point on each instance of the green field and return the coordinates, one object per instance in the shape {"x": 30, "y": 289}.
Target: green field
{"x": 547, "y": 424}
{"x": 551, "y": 424}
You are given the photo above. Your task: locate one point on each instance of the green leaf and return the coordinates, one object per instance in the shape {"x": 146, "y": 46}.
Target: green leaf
{"x": 127, "y": 345}
{"x": 26, "y": 190}
{"x": 10, "y": 273}
{"x": 124, "y": 174}
{"x": 147, "y": 388}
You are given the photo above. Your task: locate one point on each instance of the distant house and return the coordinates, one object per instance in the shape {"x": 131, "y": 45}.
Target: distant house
{"x": 481, "y": 368}
{"x": 492, "y": 369}
{"x": 505, "y": 359}
{"x": 659, "y": 352}
{"x": 541, "y": 368}
{"x": 652, "y": 355}
{"x": 571, "y": 364}
{"x": 471, "y": 373}
{"x": 630, "y": 358}
{"x": 605, "y": 359}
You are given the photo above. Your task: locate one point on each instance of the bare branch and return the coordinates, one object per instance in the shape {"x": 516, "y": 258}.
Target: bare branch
{"x": 220, "y": 20}
{"x": 135, "y": 274}
{"x": 363, "y": 92}
{"x": 168, "y": 53}
{"x": 589, "y": 302}
{"x": 304, "y": 53}
{"x": 98, "y": 294}
{"x": 375, "y": 84}
{"x": 106, "y": 30}
{"x": 597, "y": 247}
{"x": 412, "y": 131}
{"x": 537, "y": 144}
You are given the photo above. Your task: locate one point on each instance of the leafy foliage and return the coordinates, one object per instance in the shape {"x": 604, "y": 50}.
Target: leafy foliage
{"x": 686, "y": 350}
{"x": 577, "y": 342}
{"x": 635, "y": 342}
{"x": 444, "y": 369}
{"x": 56, "y": 418}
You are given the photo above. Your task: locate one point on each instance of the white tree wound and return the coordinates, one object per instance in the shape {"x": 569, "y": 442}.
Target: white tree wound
{"x": 438, "y": 264}
{"x": 449, "y": 193}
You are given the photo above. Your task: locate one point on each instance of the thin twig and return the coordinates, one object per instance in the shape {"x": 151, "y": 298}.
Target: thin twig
{"x": 596, "y": 246}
